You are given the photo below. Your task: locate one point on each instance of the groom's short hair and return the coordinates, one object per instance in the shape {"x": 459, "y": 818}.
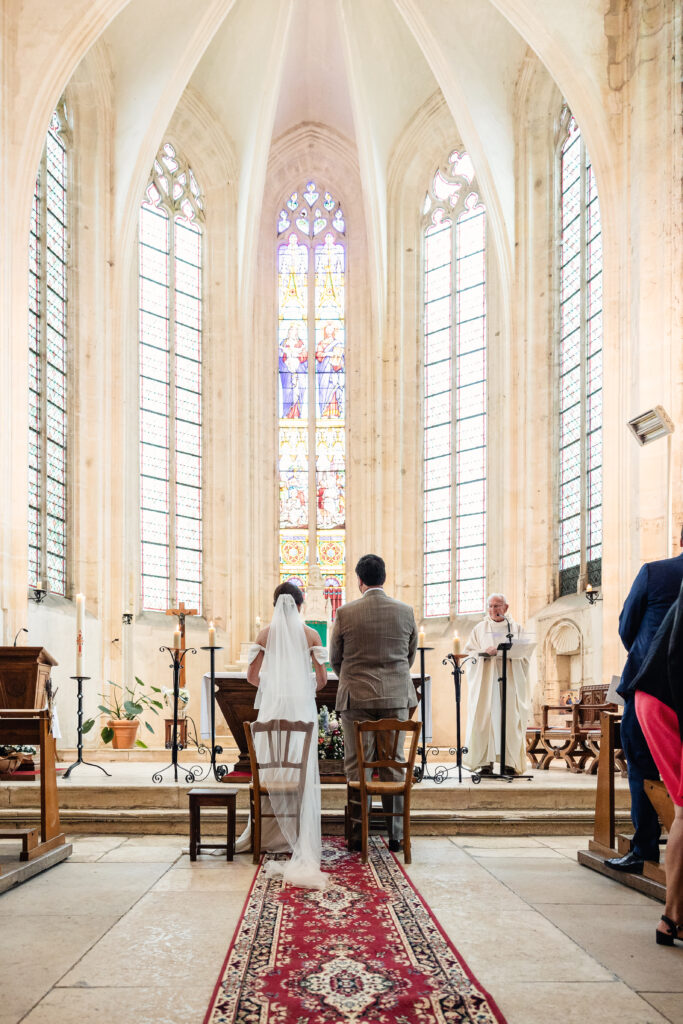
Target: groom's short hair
{"x": 289, "y": 588}
{"x": 371, "y": 570}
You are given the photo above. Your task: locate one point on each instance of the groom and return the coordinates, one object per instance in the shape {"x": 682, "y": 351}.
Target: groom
{"x": 372, "y": 647}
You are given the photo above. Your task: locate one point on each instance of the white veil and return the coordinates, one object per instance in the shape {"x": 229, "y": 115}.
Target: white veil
{"x": 287, "y": 691}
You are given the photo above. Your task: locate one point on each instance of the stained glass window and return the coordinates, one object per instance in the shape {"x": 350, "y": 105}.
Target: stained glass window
{"x": 580, "y": 365}
{"x": 311, "y": 252}
{"x": 454, "y": 392}
{"x": 48, "y": 249}
{"x": 170, "y": 322}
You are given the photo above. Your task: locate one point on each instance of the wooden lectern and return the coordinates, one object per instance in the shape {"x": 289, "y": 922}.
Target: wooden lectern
{"x": 24, "y": 672}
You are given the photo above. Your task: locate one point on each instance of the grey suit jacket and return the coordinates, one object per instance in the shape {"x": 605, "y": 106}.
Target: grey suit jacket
{"x": 372, "y": 648}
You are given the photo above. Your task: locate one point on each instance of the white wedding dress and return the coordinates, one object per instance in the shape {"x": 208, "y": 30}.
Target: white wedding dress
{"x": 287, "y": 691}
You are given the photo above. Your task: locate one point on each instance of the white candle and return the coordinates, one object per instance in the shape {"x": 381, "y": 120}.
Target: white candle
{"x": 176, "y": 638}
{"x": 421, "y": 638}
{"x": 456, "y": 644}
{"x": 589, "y": 588}
{"x": 212, "y": 635}
{"x": 80, "y": 612}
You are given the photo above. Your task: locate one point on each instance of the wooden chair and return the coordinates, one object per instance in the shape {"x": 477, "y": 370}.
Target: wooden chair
{"x": 279, "y": 733}
{"x": 212, "y": 797}
{"x": 388, "y": 734}
{"x": 577, "y": 742}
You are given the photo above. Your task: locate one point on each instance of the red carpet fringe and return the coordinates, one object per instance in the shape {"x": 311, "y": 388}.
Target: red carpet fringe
{"x": 366, "y": 950}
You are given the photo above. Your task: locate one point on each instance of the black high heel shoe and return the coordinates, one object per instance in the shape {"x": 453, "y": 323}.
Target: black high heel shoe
{"x": 668, "y": 938}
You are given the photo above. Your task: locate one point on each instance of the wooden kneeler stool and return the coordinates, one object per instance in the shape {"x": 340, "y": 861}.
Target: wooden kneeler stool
{"x": 32, "y": 727}
{"x": 387, "y": 732}
{"x": 211, "y": 798}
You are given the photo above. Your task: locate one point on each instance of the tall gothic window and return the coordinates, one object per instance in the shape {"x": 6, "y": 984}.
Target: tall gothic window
{"x": 171, "y": 385}
{"x": 454, "y": 392}
{"x": 580, "y": 364}
{"x": 311, "y": 254}
{"x": 48, "y": 260}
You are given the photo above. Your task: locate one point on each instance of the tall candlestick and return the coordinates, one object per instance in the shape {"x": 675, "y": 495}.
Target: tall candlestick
{"x": 212, "y": 635}
{"x": 421, "y": 638}
{"x": 176, "y": 638}
{"x": 80, "y": 613}
{"x": 456, "y": 644}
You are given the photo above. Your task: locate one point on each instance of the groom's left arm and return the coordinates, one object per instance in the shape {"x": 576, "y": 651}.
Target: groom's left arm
{"x": 412, "y": 643}
{"x": 336, "y": 646}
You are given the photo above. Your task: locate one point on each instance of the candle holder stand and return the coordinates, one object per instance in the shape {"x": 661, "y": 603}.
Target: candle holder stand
{"x": 219, "y": 770}
{"x": 441, "y": 772}
{"x": 79, "y": 760}
{"x": 193, "y": 773}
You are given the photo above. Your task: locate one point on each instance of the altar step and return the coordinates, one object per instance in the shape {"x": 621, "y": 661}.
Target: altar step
{"x": 551, "y": 803}
{"x": 428, "y": 822}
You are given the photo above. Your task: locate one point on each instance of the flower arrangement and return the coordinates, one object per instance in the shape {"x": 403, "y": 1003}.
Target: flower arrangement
{"x": 330, "y": 736}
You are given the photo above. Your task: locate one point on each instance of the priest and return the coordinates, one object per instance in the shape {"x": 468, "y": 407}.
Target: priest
{"x": 484, "y": 692}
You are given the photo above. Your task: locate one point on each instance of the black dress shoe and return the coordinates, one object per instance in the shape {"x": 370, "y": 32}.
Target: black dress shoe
{"x": 631, "y": 862}
{"x": 395, "y": 845}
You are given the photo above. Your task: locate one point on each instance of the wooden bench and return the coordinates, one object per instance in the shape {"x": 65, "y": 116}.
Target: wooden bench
{"x": 33, "y": 727}
{"x": 578, "y": 742}
{"x": 211, "y": 798}
{"x": 606, "y": 843}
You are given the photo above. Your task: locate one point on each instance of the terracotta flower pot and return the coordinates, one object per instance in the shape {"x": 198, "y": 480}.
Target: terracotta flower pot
{"x": 125, "y": 731}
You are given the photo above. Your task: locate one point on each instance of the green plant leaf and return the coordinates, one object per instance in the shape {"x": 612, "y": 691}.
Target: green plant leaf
{"x": 87, "y": 726}
{"x": 103, "y": 707}
{"x": 157, "y": 704}
{"x": 139, "y": 743}
{"x": 155, "y": 689}
{"x": 107, "y": 734}
{"x": 132, "y": 709}
{"x": 148, "y": 726}
{"x": 139, "y": 681}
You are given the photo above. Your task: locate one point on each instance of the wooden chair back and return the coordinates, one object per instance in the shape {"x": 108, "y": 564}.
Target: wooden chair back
{"x": 279, "y": 734}
{"x": 388, "y": 733}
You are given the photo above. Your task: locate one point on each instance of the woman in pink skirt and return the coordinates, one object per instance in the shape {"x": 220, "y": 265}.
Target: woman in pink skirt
{"x": 659, "y": 706}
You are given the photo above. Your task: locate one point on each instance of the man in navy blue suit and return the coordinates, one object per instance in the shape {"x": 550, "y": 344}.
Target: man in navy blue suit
{"x": 654, "y": 590}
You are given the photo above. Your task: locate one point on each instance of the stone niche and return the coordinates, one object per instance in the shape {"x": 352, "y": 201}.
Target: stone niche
{"x": 563, "y": 662}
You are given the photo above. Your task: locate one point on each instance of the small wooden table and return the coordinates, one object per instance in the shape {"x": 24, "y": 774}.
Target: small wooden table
{"x": 211, "y": 798}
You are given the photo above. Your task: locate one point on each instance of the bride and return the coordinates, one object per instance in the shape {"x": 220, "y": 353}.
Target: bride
{"x": 280, "y": 664}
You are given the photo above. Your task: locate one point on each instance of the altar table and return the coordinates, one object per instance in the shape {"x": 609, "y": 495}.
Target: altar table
{"x": 235, "y": 698}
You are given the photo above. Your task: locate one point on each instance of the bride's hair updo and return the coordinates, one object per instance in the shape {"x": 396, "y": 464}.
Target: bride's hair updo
{"x": 289, "y": 588}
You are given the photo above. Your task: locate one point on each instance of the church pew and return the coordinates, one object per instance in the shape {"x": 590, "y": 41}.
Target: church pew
{"x": 32, "y": 727}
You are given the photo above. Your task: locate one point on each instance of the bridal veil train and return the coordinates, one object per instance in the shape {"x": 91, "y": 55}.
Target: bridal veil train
{"x": 287, "y": 691}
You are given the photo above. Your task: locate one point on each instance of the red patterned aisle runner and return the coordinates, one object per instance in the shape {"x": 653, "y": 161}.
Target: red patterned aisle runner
{"x": 366, "y": 950}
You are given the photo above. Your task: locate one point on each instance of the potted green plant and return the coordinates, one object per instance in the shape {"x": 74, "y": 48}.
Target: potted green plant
{"x": 125, "y": 706}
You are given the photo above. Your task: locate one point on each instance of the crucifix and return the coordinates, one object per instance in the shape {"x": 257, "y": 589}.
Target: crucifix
{"x": 181, "y": 611}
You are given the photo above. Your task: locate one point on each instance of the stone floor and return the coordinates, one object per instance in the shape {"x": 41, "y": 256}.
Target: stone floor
{"x": 128, "y": 931}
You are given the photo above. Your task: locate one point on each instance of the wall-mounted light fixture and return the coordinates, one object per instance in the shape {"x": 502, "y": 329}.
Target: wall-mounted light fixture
{"x": 651, "y": 425}
{"x": 127, "y": 618}
{"x": 592, "y": 595}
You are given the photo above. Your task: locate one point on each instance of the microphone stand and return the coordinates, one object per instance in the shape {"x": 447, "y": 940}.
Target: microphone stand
{"x": 503, "y": 775}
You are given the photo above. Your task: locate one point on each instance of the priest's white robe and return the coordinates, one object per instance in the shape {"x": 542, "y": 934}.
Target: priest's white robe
{"x": 484, "y": 698}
